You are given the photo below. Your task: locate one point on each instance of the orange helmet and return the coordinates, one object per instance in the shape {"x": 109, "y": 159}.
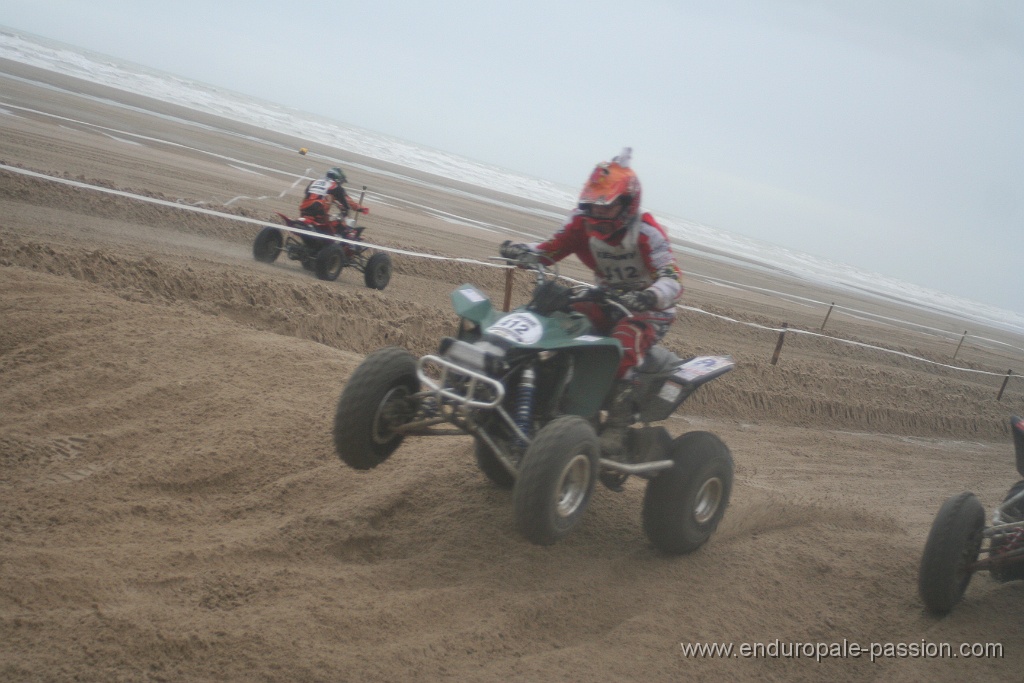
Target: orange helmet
{"x": 610, "y": 199}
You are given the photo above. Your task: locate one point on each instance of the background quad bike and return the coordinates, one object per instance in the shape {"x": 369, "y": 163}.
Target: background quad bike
{"x": 957, "y": 539}
{"x": 325, "y": 257}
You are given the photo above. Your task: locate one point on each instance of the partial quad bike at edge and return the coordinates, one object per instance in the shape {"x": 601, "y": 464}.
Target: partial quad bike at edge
{"x": 529, "y": 386}
{"x": 958, "y": 538}
{"x": 310, "y": 243}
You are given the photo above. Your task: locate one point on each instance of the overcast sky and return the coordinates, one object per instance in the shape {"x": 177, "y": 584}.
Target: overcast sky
{"x": 886, "y": 134}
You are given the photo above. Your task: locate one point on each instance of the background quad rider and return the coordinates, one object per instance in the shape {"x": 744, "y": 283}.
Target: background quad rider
{"x": 631, "y": 256}
{"x": 321, "y": 195}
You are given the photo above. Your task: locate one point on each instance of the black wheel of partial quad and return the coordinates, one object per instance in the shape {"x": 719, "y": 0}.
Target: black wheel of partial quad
{"x": 267, "y": 245}
{"x": 952, "y": 547}
{"x": 377, "y": 273}
{"x": 684, "y": 504}
{"x": 556, "y": 479}
{"x": 377, "y": 399}
{"x": 329, "y": 262}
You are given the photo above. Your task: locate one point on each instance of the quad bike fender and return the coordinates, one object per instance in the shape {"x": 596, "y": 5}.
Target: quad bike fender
{"x": 306, "y": 227}
{"x": 472, "y": 304}
{"x": 595, "y": 357}
{"x": 298, "y": 223}
{"x": 664, "y": 391}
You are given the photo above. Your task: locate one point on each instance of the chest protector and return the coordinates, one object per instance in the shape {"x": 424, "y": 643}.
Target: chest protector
{"x": 621, "y": 266}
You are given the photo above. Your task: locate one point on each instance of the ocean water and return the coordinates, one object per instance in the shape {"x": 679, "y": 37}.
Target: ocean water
{"x": 80, "y": 63}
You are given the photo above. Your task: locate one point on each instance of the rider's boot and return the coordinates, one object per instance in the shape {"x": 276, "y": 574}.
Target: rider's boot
{"x": 621, "y": 412}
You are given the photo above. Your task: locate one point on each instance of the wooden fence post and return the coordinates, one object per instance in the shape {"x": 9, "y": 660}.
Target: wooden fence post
{"x": 960, "y": 344}
{"x": 508, "y": 288}
{"x": 827, "y": 315}
{"x": 1005, "y": 380}
{"x": 778, "y": 346}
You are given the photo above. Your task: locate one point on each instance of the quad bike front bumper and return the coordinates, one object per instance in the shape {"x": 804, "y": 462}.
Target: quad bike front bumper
{"x": 458, "y": 390}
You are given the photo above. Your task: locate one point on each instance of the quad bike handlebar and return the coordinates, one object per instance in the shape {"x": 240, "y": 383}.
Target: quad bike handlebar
{"x": 546, "y": 276}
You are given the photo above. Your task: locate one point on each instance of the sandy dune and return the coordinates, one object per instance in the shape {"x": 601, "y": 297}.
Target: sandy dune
{"x": 171, "y": 508}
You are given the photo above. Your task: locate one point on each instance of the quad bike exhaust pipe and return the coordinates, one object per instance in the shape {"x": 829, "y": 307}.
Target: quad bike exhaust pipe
{"x": 639, "y": 469}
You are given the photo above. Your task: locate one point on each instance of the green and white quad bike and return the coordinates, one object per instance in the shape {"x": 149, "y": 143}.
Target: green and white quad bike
{"x": 529, "y": 386}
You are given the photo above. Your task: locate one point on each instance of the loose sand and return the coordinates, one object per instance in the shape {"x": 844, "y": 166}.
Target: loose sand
{"x": 171, "y": 508}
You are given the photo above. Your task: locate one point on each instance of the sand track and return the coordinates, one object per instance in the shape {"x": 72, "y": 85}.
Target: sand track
{"x": 171, "y": 507}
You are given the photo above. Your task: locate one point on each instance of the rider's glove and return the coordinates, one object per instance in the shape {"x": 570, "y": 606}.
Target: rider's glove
{"x": 513, "y": 252}
{"x": 644, "y": 300}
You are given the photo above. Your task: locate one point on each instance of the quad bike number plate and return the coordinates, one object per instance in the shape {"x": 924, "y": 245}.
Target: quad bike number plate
{"x": 521, "y": 328}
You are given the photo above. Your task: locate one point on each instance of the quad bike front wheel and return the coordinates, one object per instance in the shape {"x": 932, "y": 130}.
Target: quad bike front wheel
{"x": 556, "y": 479}
{"x": 684, "y": 504}
{"x": 267, "y": 245}
{"x": 952, "y": 547}
{"x": 329, "y": 262}
{"x": 377, "y": 271}
{"x": 376, "y": 400}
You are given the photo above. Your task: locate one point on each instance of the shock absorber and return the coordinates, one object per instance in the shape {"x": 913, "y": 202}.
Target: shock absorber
{"x": 524, "y": 402}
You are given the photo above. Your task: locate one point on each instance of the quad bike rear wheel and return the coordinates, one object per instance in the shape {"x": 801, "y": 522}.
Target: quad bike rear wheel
{"x": 267, "y": 245}
{"x": 684, "y": 504}
{"x": 377, "y": 272}
{"x": 556, "y": 479}
{"x": 952, "y": 547}
{"x": 329, "y": 262}
{"x": 377, "y": 398}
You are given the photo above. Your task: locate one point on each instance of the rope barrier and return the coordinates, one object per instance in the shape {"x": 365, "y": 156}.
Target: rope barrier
{"x": 793, "y": 330}
{"x": 243, "y": 219}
